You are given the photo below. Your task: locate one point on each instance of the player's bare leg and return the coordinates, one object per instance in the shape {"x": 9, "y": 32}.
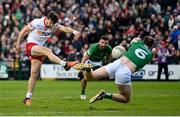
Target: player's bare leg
{"x": 44, "y": 51}
{"x": 83, "y": 85}
{"x": 124, "y": 94}
{"x": 96, "y": 75}
{"x": 35, "y": 69}
{"x": 83, "y": 88}
{"x": 83, "y": 67}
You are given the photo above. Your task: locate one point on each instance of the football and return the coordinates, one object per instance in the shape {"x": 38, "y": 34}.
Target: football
{"x": 117, "y": 51}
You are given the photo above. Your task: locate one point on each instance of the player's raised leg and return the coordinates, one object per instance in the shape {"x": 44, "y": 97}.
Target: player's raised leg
{"x": 95, "y": 75}
{"x": 44, "y": 51}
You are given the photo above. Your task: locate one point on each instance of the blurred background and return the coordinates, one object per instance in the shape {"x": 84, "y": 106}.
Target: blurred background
{"x": 121, "y": 20}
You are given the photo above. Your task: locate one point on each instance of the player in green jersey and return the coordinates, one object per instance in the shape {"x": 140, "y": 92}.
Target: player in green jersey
{"x": 95, "y": 55}
{"x": 137, "y": 56}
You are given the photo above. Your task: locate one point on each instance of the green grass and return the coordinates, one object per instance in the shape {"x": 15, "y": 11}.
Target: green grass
{"x": 60, "y": 98}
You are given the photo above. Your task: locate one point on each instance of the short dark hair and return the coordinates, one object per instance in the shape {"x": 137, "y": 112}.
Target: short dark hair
{"x": 148, "y": 40}
{"x": 52, "y": 15}
{"x": 104, "y": 37}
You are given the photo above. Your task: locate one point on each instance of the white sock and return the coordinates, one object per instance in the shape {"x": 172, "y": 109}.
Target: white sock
{"x": 28, "y": 95}
{"x": 63, "y": 63}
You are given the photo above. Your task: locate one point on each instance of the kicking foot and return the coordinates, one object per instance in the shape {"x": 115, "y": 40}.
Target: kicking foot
{"x": 83, "y": 97}
{"x": 83, "y": 67}
{"x": 99, "y": 96}
{"x": 70, "y": 64}
{"x": 27, "y": 101}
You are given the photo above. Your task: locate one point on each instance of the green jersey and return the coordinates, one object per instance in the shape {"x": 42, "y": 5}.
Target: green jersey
{"x": 139, "y": 54}
{"x": 97, "y": 54}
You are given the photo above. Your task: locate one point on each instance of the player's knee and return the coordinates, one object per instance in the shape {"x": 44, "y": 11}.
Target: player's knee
{"x": 127, "y": 99}
{"x": 48, "y": 50}
{"x": 34, "y": 74}
{"x": 124, "y": 98}
{"x": 94, "y": 76}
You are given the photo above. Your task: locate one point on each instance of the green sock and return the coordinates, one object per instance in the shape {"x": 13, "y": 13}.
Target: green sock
{"x": 108, "y": 95}
{"x": 83, "y": 92}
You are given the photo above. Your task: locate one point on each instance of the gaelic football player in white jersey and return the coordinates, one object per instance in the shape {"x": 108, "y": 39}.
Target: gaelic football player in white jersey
{"x": 39, "y": 31}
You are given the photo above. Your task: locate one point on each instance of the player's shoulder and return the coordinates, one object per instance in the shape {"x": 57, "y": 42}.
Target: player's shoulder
{"x": 94, "y": 45}
{"x": 135, "y": 40}
{"x": 109, "y": 48}
{"x": 38, "y": 21}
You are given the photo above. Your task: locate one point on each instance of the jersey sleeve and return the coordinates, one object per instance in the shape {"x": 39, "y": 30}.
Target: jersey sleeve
{"x": 33, "y": 23}
{"x": 56, "y": 27}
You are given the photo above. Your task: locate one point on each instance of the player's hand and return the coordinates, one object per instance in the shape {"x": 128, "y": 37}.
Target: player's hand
{"x": 76, "y": 33}
{"x": 154, "y": 51}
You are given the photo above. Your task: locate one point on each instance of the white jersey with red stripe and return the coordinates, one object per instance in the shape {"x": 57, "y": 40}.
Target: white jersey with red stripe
{"x": 39, "y": 32}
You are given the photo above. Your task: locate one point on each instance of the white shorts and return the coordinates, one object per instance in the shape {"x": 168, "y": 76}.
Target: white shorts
{"x": 120, "y": 72}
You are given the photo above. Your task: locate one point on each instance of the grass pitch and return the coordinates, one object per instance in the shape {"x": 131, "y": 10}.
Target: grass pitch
{"x": 61, "y": 98}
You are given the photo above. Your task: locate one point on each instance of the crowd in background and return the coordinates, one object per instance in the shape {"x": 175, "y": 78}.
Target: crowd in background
{"x": 121, "y": 20}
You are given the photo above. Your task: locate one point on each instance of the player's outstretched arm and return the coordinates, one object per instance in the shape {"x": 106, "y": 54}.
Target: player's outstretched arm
{"x": 69, "y": 30}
